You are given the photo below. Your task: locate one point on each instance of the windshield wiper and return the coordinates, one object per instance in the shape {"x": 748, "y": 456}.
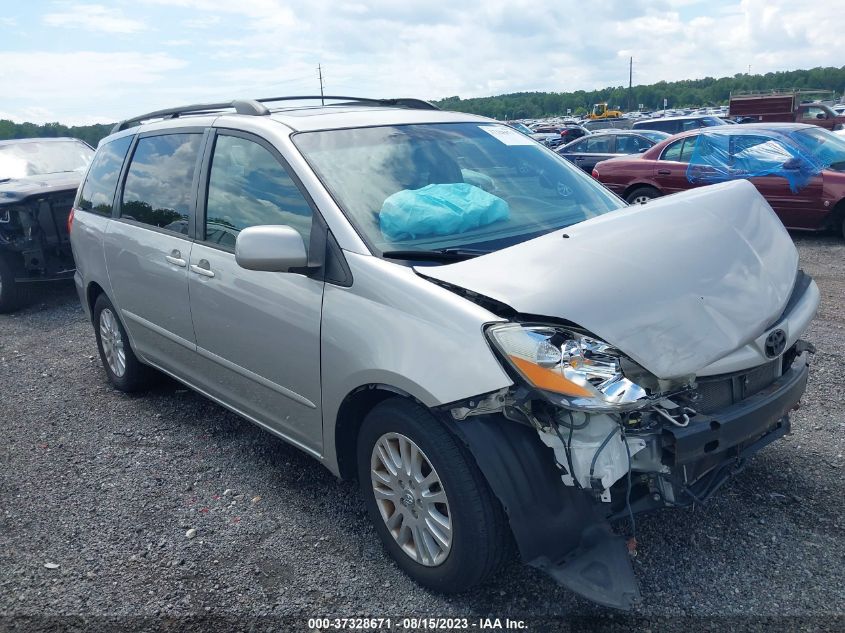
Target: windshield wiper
{"x": 440, "y": 254}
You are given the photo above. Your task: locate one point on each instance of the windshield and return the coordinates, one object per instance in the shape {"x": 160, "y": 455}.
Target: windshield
{"x": 826, "y": 147}
{"x": 710, "y": 121}
{"x": 28, "y": 158}
{"x": 444, "y": 186}
{"x": 521, "y": 128}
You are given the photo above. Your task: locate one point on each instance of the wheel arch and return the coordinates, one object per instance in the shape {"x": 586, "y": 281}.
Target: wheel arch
{"x": 637, "y": 185}
{"x": 353, "y": 409}
{"x": 92, "y": 292}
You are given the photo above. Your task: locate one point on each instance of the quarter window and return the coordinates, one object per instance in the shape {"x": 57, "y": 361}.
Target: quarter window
{"x": 97, "y": 194}
{"x": 159, "y": 183}
{"x": 249, "y": 187}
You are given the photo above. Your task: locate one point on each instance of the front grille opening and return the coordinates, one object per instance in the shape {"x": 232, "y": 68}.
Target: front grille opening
{"x": 719, "y": 392}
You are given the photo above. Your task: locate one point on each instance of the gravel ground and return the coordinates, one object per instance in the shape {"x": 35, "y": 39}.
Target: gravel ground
{"x": 103, "y": 487}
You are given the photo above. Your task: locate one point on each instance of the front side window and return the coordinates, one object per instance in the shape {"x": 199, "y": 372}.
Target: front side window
{"x": 159, "y": 184}
{"x": 249, "y": 187}
{"x": 457, "y": 185}
{"x": 97, "y": 194}
{"x": 813, "y": 113}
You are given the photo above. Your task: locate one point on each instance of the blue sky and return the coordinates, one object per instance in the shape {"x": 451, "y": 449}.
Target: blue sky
{"x": 86, "y": 62}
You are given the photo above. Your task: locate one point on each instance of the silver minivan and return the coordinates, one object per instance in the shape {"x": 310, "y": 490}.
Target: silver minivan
{"x": 502, "y": 352}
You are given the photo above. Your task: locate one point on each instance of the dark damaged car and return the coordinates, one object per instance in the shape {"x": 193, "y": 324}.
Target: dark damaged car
{"x": 38, "y": 182}
{"x": 498, "y": 348}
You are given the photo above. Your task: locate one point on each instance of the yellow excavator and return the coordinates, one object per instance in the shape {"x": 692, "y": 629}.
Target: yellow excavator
{"x": 600, "y": 111}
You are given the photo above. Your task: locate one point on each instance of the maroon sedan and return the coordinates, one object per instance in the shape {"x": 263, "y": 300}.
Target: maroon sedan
{"x": 817, "y": 204}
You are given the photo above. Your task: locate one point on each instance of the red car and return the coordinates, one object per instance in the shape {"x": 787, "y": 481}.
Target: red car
{"x": 817, "y": 204}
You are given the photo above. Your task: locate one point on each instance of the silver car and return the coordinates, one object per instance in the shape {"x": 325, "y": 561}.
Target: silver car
{"x": 502, "y": 352}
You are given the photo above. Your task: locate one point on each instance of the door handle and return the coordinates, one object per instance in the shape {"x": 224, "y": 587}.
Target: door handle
{"x": 664, "y": 172}
{"x": 578, "y": 159}
{"x": 175, "y": 258}
{"x": 202, "y": 268}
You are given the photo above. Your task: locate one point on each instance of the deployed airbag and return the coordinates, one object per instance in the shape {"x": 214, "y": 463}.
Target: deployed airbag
{"x": 439, "y": 209}
{"x": 749, "y": 154}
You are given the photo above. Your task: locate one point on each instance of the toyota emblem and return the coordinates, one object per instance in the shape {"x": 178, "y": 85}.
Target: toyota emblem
{"x": 775, "y": 342}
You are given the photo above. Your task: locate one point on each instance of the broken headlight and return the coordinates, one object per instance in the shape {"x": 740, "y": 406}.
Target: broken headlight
{"x": 574, "y": 370}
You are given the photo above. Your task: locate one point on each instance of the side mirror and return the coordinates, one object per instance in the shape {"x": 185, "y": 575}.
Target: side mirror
{"x": 821, "y": 115}
{"x": 642, "y": 150}
{"x": 275, "y": 248}
{"x": 791, "y": 164}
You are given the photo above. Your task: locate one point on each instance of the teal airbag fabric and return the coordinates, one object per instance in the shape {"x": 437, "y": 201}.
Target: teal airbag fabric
{"x": 442, "y": 209}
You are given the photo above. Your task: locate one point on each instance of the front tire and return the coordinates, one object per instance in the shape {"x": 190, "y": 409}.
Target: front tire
{"x": 125, "y": 372}
{"x": 641, "y": 195}
{"x": 430, "y": 505}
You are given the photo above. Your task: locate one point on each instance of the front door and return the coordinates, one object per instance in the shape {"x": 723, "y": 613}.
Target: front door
{"x": 257, "y": 333}
{"x": 148, "y": 246}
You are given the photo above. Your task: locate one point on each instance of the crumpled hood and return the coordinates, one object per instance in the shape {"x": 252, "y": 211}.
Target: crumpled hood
{"x": 19, "y": 189}
{"x": 676, "y": 284}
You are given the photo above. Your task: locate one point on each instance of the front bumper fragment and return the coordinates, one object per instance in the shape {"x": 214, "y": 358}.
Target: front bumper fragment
{"x": 729, "y": 429}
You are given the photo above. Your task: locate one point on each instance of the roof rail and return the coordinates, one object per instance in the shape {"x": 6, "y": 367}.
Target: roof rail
{"x": 256, "y": 107}
{"x": 402, "y": 102}
{"x": 241, "y": 106}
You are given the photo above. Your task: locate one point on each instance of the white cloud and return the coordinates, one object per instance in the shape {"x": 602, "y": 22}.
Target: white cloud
{"x": 94, "y": 17}
{"x": 429, "y": 49}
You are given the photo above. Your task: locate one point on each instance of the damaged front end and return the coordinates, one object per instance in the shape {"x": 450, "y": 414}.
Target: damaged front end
{"x": 34, "y": 236}
{"x": 614, "y": 440}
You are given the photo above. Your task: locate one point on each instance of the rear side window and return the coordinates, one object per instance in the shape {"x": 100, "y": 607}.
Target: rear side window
{"x": 663, "y": 126}
{"x": 599, "y": 145}
{"x": 680, "y": 151}
{"x": 247, "y": 187}
{"x": 97, "y": 194}
{"x": 159, "y": 183}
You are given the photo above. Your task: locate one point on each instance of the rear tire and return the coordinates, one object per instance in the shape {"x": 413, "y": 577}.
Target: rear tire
{"x": 641, "y": 195}
{"x": 125, "y": 372}
{"x": 477, "y": 541}
{"x": 12, "y": 294}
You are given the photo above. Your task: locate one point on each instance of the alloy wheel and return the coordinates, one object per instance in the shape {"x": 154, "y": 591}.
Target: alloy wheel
{"x": 112, "y": 342}
{"x": 411, "y": 499}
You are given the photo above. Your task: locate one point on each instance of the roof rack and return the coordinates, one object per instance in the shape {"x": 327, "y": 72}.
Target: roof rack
{"x": 402, "y": 102}
{"x": 256, "y": 107}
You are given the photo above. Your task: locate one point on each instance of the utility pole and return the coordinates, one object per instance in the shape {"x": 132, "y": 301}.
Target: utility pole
{"x": 320, "y": 73}
{"x": 630, "y": 81}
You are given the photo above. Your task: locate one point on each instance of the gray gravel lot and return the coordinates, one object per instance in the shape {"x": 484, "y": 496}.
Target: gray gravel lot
{"x": 105, "y": 486}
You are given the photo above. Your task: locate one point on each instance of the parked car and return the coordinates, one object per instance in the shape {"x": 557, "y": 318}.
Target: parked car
{"x": 38, "y": 181}
{"x": 586, "y": 152}
{"x": 677, "y": 124}
{"x": 556, "y": 135}
{"x": 784, "y": 107}
{"x": 465, "y": 351}
{"x": 817, "y": 205}
{"x": 606, "y": 124}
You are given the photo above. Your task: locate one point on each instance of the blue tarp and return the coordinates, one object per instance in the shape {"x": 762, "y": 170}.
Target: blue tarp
{"x": 741, "y": 154}
{"x": 440, "y": 209}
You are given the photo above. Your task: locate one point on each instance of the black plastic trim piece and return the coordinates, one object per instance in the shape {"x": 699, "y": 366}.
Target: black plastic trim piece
{"x": 558, "y": 529}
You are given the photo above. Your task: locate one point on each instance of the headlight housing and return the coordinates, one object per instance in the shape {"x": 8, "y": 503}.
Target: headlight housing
{"x": 574, "y": 370}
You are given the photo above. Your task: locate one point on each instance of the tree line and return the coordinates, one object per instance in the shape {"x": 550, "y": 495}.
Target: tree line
{"x": 91, "y": 134}
{"x": 527, "y": 105}
{"x": 678, "y": 94}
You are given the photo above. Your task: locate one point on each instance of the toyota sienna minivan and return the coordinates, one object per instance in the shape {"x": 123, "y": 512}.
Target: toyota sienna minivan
{"x": 501, "y": 351}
